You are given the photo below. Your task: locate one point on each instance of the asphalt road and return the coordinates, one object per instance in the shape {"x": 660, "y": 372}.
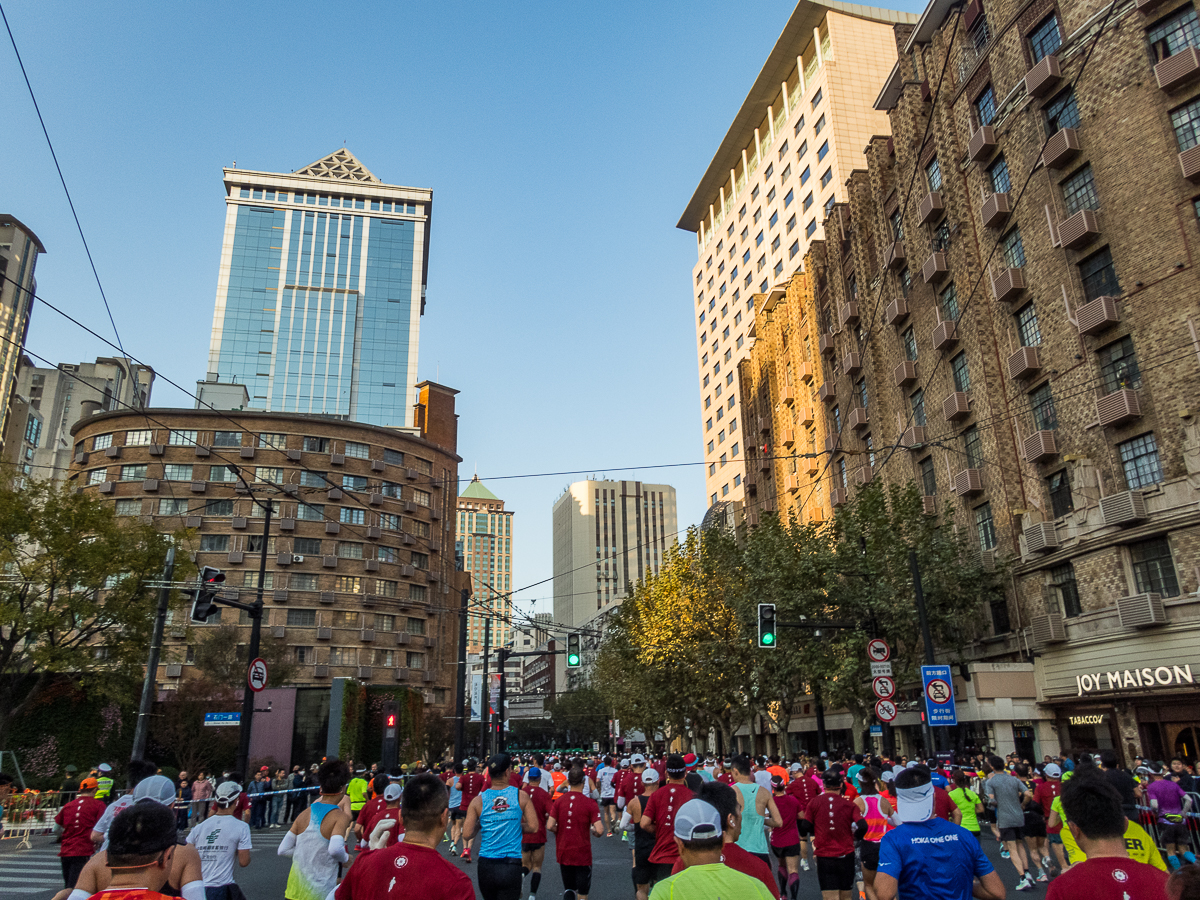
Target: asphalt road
{"x": 36, "y": 874}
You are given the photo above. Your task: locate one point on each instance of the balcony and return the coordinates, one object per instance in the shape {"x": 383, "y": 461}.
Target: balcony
{"x": 1124, "y": 508}
{"x": 1040, "y": 446}
{"x": 1023, "y": 363}
{"x": 1179, "y": 70}
{"x": 791, "y": 483}
{"x": 996, "y": 209}
{"x": 852, "y": 363}
{"x": 1189, "y": 163}
{"x": 929, "y": 505}
{"x": 805, "y": 416}
{"x": 930, "y": 208}
{"x": 968, "y": 482}
{"x": 1044, "y": 77}
{"x": 1141, "y": 610}
{"x": 833, "y": 443}
{"x": 858, "y": 418}
{"x": 895, "y": 255}
{"x": 1041, "y": 537}
{"x": 1118, "y": 407}
{"x": 935, "y": 267}
{"x": 956, "y": 406}
{"x": 897, "y": 311}
{"x": 1099, "y": 314}
{"x": 1048, "y": 629}
{"x": 862, "y": 475}
{"x": 982, "y": 144}
{"x": 848, "y": 314}
{"x": 945, "y": 335}
{"x": 1079, "y": 230}
{"x": 827, "y": 392}
{"x": 905, "y": 373}
{"x": 806, "y": 372}
{"x": 1007, "y": 284}
{"x": 1062, "y": 147}
{"x": 837, "y": 497}
{"x": 826, "y": 344}
{"x": 914, "y": 437}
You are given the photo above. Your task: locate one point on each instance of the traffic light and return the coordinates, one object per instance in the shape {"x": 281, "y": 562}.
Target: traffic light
{"x": 391, "y": 717}
{"x": 202, "y": 600}
{"x": 573, "y": 658}
{"x": 766, "y": 625}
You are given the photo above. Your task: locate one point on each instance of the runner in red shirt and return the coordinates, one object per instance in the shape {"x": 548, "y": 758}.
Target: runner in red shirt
{"x": 533, "y": 843}
{"x": 412, "y": 869}
{"x": 631, "y": 784}
{"x": 471, "y": 783}
{"x": 804, "y": 789}
{"x": 659, "y": 816}
{"x": 389, "y": 810}
{"x": 785, "y": 840}
{"x": 724, "y": 800}
{"x": 572, "y": 815}
{"x": 835, "y": 821}
{"x": 77, "y": 819}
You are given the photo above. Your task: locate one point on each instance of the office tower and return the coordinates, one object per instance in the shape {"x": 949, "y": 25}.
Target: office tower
{"x": 49, "y": 401}
{"x": 321, "y": 290}
{"x": 781, "y": 166}
{"x": 19, "y": 249}
{"x": 485, "y": 528}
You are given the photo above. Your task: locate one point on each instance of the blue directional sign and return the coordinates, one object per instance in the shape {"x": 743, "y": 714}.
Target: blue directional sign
{"x": 876, "y": 731}
{"x": 939, "y": 695}
{"x": 215, "y": 719}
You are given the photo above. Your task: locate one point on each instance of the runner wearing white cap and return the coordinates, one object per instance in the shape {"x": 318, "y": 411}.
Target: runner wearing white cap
{"x": 220, "y": 839}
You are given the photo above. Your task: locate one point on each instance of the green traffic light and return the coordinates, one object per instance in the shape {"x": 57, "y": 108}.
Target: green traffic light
{"x": 573, "y": 659}
{"x": 768, "y": 638}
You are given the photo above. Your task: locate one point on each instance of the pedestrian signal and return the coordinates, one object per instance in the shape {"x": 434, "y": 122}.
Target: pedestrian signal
{"x": 204, "y": 597}
{"x": 766, "y": 624}
{"x": 573, "y": 657}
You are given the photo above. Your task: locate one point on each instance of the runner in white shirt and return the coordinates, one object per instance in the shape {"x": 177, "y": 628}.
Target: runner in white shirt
{"x": 219, "y": 839}
{"x": 608, "y": 794}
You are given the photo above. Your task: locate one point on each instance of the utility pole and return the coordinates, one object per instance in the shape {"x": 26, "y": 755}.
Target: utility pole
{"x": 485, "y": 719}
{"x": 255, "y": 610}
{"x": 502, "y": 653}
{"x": 926, "y": 637}
{"x": 460, "y": 701}
{"x": 148, "y": 686}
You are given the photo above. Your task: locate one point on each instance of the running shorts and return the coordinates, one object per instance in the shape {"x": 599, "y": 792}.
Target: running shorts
{"x": 529, "y": 848}
{"x": 500, "y": 879}
{"x": 1035, "y": 826}
{"x": 835, "y": 873}
{"x": 789, "y": 850}
{"x": 608, "y": 801}
{"x": 576, "y": 878}
{"x": 1012, "y": 834}
{"x": 868, "y": 854}
{"x": 1174, "y": 833}
{"x": 1053, "y": 838}
{"x": 660, "y": 871}
{"x": 643, "y": 869}
{"x": 457, "y": 815}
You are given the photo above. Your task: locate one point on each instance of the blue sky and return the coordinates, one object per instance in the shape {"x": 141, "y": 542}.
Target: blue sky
{"x": 561, "y": 141}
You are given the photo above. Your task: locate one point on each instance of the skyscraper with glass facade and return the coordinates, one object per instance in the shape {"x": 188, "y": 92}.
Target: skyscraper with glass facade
{"x": 321, "y": 291}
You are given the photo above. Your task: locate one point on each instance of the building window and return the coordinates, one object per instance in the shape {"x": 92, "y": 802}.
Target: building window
{"x": 808, "y": 201}
{"x": 1059, "y": 485}
{"x": 909, "y": 340}
{"x": 1027, "y": 327}
{"x": 348, "y": 584}
{"x": 1062, "y": 112}
{"x": 177, "y": 472}
{"x": 1098, "y": 275}
{"x": 826, "y": 177}
{"x": 227, "y": 439}
{"x": 357, "y": 450}
{"x": 1175, "y": 33}
{"x": 1062, "y": 578}
{"x": 1045, "y": 38}
{"x": 1041, "y": 401}
{"x": 949, "y": 302}
{"x": 985, "y": 106}
{"x": 220, "y": 509}
{"x": 897, "y": 223}
{"x": 316, "y": 445}
{"x": 799, "y": 127}
{"x": 310, "y": 512}
{"x": 985, "y": 527}
{"x": 960, "y": 372}
{"x": 775, "y": 244}
{"x": 1014, "y": 250}
{"x": 302, "y": 618}
{"x": 933, "y": 175}
{"x": 1119, "y": 366}
{"x": 810, "y": 228}
{"x": 1000, "y": 623}
{"x": 1139, "y": 459}
{"x": 1153, "y": 570}
{"x": 917, "y": 400}
{"x": 905, "y": 279}
{"x": 816, "y": 100}
{"x": 1186, "y": 122}
{"x": 272, "y": 441}
{"x": 805, "y": 175}
{"x": 141, "y": 438}
{"x": 860, "y": 388}
{"x": 129, "y": 508}
{"x": 172, "y": 507}
{"x": 999, "y": 177}
{"x": 224, "y": 474}
{"x": 182, "y": 438}
{"x": 787, "y": 201}
{"x": 973, "y": 446}
{"x": 102, "y": 441}
{"x": 133, "y": 473}
{"x": 792, "y": 251}
{"x": 822, "y": 151}
{"x": 928, "y": 477}
{"x": 349, "y": 550}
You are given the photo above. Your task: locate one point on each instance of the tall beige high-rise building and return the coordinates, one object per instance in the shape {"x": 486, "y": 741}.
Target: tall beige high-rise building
{"x": 485, "y": 529}
{"x": 781, "y": 166}
{"x": 19, "y": 249}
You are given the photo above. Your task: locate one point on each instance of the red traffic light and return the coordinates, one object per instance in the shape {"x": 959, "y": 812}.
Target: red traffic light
{"x": 391, "y": 720}
{"x": 210, "y": 575}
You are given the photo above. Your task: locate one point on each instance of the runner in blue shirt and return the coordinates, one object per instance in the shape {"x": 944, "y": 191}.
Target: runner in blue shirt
{"x": 927, "y": 858}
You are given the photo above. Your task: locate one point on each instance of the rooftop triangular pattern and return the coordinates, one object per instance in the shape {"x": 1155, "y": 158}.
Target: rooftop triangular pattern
{"x": 476, "y": 491}
{"x": 341, "y": 165}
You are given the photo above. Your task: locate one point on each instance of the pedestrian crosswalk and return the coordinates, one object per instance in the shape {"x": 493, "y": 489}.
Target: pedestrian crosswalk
{"x": 31, "y": 874}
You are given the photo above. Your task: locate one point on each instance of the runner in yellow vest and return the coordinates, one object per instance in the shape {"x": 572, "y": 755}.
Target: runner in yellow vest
{"x": 358, "y": 790}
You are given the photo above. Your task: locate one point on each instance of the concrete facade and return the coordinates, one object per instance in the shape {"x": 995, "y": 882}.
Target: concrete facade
{"x": 485, "y": 529}
{"x": 19, "y": 250}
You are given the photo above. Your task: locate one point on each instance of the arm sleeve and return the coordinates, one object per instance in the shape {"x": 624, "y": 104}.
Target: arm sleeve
{"x": 337, "y": 848}
{"x": 288, "y": 845}
{"x": 626, "y": 819}
{"x": 193, "y": 890}
{"x": 77, "y": 894}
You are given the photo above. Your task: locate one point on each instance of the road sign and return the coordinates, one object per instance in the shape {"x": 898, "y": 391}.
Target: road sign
{"x": 885, "y": 710}
{"x": 595, "y": 746}
{"x": 218, "y": 719}
{"x": 878, "y": 650}
{"x": 883, "y": 668}
{"x": 884, "y": 687}
{"x": 256, "y": 675}
{"x": 876, "y": 731}
{"x": 939, "y": 695}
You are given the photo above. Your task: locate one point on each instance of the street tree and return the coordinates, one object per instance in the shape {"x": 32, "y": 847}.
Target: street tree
{"x": 222, "y": 659}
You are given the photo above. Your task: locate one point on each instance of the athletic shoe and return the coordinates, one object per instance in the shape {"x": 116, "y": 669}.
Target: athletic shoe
{"x": 610, "y": 834}
{"x": 804, "y": 864}
{"x": 1004, "y": 854}
{"x": 466, "y": 854}
{"x": 1025, "y": 884}
{"x": 1047, "y": 862}
{"x": 1042, "y": 876}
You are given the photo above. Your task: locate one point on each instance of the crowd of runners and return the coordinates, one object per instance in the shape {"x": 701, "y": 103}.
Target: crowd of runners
{"x": 737, "y": 828}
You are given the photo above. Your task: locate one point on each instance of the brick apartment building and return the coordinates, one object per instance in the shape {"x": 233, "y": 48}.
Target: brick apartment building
{"x": 1006, "y": 311}
{"x": 360, "y": 580}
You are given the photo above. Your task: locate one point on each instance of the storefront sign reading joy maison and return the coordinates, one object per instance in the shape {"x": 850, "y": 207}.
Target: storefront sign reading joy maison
{"x": 1133, "y": 679}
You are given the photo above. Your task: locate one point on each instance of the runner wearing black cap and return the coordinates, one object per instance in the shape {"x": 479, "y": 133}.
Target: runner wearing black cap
{"x": 659, "y": 816}
{"x": 501, "y": 814}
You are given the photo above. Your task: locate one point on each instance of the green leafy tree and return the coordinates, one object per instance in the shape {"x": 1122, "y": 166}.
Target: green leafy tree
{"x": 222, "y": 659}
{"x": 73, "y": 597}
{"x": 579, "y": 717}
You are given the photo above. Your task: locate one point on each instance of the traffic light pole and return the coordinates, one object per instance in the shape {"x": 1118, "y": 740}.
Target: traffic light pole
{"x": 485, "y": 718}
{"x": 243, "y": 757}
{"x": 926, "y": 639}
{"x": 460, "y": 701}
{"x": 502, "y": 653}
{"x": 141, "y": 731}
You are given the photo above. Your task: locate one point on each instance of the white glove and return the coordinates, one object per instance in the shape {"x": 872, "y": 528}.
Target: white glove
{"x": 379, "y": 834}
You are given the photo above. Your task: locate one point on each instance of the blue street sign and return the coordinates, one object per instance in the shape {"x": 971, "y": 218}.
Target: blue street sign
{"x": 939, "y": 695}
{"x": 876, "y": 731}
{"x": 232, "y": 718}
